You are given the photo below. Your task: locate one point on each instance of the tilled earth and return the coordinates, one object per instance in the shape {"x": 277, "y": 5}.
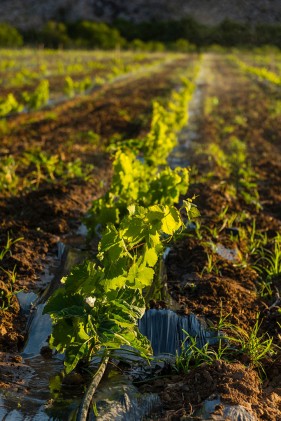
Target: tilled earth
{"x": 231, "y": 289}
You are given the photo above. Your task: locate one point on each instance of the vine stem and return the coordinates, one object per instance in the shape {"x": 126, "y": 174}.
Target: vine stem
{"x": 85, "y": 404}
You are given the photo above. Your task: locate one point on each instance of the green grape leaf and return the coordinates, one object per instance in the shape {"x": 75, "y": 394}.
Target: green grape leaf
{"x": 62, "y": 335}
{"x": 73, "y": 354}
{"x": 172, "y": 221}
{"x": 114, "y": 283}
{"x": 62, "y": 305}
{"x": 139, "y": 276}
{"x": 150, "y": 256}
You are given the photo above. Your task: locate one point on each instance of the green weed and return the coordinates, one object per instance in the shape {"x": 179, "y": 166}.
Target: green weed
{"x": 192, "y": 356}
{"x": 9, "y": 180}
{"x": 273, "y": 258}
{"x": 268, "y": 265}
{"x": 256, "y": 239}
{"x": 210, "y": 266}
{"x": 250, "y": 343}
{"x": 7, "y": 248}
{"x": 7, "y": 294}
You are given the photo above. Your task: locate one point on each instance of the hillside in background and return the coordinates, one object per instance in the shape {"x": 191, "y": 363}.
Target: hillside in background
{"x": 31, "y": 13}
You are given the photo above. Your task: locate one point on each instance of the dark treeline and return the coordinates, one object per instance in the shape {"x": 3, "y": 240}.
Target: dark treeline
{"x": 186, "y": 34}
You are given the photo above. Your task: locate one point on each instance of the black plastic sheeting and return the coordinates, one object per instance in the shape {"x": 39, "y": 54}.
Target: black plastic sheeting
{"x": 166, "y": 331}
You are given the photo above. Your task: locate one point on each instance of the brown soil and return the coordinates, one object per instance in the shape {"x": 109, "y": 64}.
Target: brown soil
{"x": 228, "y": 289}
{"x": 231, "y": 289}
{"x": 233, "y": 383}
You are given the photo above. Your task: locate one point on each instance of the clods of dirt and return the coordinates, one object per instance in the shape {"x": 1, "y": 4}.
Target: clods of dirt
{"x": 231, "y": 383}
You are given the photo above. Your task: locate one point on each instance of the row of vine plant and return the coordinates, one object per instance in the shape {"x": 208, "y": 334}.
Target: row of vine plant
{"x": 262, "y": 73}
{"x": 40, "y": 95}
{"x": 96, "y": 310}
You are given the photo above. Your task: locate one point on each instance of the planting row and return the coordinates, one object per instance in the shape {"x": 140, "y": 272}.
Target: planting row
{"x": 47, "y": 167}
{"x": 51, "y": 76}
{"x": 98, "y": 309}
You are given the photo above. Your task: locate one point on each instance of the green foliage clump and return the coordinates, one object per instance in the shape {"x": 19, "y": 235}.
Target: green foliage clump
{"x": 10, "y": 36}
{"x": 96, "y": 35}
{"x": 54, "y": 35}
{"x": 153, "y": 46}
{"x": 88, "y": 319}
{"x": 9, "y": 105}
{"x": 166, "y": 122}
{"x": 229, "y": 33}
{"x": 39, "y": 97}
{"x": 160, "y": 139}
{"x": 266, "y": 34}
{"x": 71, "y": 88}
{"x": 136, "y": 182}
{"x": 183, "y": 45}
{"x": 136, "y": 176}
{"x": 100, "y": 304}
{"x": 261, "y": 72}
{"x": 48, "y": 168}
{"x": 185, "y": 35}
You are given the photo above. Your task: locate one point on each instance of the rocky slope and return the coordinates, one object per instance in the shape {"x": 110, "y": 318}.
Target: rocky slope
{"x": 31, "y": 13}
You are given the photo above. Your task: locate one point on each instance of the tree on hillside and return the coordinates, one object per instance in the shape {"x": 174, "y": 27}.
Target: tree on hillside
{"x": 9, "y": 36}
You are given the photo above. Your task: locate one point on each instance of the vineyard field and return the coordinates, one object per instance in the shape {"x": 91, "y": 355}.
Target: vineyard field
{"x": 130, "y": 183}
